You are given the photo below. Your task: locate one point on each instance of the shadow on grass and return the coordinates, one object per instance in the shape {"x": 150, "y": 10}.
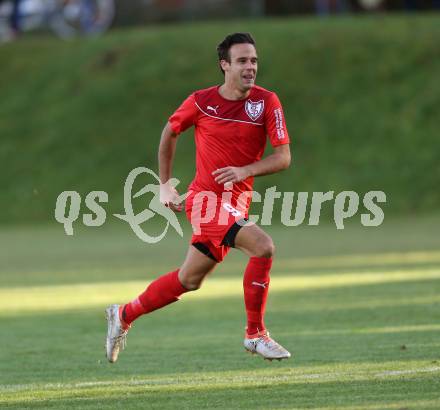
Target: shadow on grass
{"x": 228, "y": 269}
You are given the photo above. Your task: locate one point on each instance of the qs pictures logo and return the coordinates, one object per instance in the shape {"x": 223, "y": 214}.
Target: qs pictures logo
{"x": 345, "y": 204}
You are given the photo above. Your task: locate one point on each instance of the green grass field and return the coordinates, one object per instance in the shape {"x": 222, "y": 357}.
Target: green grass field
{"x": 359, "y": 309}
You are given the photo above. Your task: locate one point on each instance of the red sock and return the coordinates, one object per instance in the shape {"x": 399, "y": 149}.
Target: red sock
{"x": 161, "y": 292}
{"x": 256, "y": 286}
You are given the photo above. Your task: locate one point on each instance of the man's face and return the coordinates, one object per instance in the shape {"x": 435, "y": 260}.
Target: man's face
{"x": 242, "y": 68}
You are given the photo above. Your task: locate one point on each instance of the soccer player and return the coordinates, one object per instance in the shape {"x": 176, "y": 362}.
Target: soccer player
{"x": 232, "y": 123}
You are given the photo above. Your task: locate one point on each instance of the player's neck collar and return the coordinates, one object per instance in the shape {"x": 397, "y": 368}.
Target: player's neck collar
{"x": 233, "y": 100}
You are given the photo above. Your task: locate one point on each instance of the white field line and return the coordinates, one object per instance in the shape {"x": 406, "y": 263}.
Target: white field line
{"x": 387, "y": 373}
{"x": 219, "y": 380}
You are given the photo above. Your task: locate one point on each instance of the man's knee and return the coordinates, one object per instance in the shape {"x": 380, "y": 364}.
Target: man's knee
{"x": 191, "y": 285}
{"x": 265, "y": 247}
{"x": 190, "y": 282}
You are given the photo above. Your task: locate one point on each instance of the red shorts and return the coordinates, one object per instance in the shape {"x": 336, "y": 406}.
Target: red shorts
{"x": 212, "y": 216}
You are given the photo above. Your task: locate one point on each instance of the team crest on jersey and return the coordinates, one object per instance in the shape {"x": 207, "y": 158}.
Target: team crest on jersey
{"x": 254, "y": 109}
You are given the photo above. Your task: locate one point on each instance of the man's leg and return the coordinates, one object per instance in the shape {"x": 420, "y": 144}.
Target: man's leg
{"x": 259, "y": 247}
{"x": 15, "y": 17}
{"x": 161, "y": 292}
{"x": 167, "y": 288}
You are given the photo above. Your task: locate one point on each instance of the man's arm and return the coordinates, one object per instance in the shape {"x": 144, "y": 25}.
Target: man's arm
{"x": 167, "y": 149}
{"x": 275, "y": 162}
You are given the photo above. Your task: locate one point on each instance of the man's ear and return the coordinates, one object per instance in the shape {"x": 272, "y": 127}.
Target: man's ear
{"x": 224, "y": 64}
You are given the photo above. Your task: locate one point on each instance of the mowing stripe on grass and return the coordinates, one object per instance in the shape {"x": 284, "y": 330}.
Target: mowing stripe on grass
{"x": 79, "y": 296}
{"x": 374, "y": 259}
{"x": 345, "y": 372}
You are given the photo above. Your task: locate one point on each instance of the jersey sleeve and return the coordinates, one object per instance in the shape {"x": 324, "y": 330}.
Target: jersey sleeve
{"x": 275, "y": 124}
{"x": 184, "y": 116}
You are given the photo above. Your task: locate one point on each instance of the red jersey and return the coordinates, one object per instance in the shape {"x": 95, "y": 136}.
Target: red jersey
{"x": 229, "y": 132}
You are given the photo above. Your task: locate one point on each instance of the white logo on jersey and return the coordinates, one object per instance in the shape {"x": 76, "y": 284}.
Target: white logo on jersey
{"x": 212, "y": 109}
{"x": 279, "y": 123}
{"x": 254, "y": 109}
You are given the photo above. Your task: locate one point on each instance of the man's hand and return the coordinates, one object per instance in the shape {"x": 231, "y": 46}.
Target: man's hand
{"x": 231, "y": 174}
{"x": 170, "y": 197}
{"x": 275, "y": 162}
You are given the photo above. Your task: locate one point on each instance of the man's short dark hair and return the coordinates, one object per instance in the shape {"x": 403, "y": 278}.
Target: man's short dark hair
{"x": 228, "y": 42}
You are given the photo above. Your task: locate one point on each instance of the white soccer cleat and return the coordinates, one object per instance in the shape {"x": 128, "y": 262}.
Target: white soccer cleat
{"x": 266, "y": 347}
{"x": 116, "y": 334}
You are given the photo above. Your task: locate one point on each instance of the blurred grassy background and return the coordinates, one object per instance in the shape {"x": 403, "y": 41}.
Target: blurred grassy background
{"x": 361, "y": 98}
